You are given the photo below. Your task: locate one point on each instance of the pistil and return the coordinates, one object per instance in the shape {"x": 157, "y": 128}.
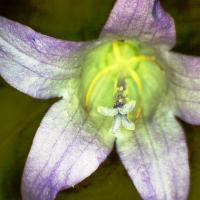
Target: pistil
{"x": 121, "y": 108}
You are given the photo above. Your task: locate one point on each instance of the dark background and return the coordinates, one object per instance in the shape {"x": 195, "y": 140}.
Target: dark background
{"x": 20, "y": 115}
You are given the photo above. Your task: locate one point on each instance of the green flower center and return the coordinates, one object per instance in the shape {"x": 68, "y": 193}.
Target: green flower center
{"x": 119, "y": 72}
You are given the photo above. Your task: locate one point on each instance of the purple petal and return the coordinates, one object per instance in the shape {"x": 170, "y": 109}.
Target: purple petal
{"x": 65, "y": 150}
{"x": 156, "y": 159}
{"x": 184, "y": 79}
{"x": 144, "y": 19}
{"x": 33, "y": 63}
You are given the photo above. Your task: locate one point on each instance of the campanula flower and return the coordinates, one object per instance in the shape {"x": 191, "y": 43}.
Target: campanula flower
{"x": 124, "y": 89}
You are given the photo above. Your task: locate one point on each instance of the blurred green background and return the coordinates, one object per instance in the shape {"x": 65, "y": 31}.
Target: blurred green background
{"x": 20, "y": 115}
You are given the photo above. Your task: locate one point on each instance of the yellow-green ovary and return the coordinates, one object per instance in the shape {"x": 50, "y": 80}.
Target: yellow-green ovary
{"x": 130, "y": 60}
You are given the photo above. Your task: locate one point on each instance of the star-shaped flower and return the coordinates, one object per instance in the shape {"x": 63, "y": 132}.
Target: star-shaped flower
{"x": 131, "y": 61}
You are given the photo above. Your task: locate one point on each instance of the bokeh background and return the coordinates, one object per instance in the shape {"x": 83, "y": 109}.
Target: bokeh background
{"x": 20, "y": 115}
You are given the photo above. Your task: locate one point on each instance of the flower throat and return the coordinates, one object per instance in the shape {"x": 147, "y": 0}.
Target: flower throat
{"x": 118, "y": 80}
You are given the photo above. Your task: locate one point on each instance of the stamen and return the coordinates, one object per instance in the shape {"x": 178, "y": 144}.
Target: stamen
{"x": 141, "y": 58}
{"x": 139, "y": 111}
{"x": 139, "y": 86}
{"x": 116, "y": 51}
{"x": 137, "y": 80}
{"x": 93, "y": 83}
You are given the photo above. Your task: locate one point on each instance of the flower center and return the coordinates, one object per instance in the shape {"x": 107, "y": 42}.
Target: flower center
{"x": 116, "y": 74}
{"x": 120, "y": 109}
